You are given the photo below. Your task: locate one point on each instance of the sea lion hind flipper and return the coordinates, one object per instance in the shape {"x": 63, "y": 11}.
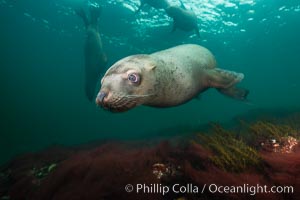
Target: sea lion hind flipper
{"x": 235, "y": 92}
{"x": 81, "y": 13}
{"x": 224, "y": 81}
{"x": 95, "y": 12}
{"x": 220, "y": 78}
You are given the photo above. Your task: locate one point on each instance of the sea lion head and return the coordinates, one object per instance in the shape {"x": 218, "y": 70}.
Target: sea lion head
{"x": 173, "y": 11}
{"x": 127, "y": 84}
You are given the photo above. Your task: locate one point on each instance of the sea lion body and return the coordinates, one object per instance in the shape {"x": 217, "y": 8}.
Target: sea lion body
{"x": 164, "y": 79}
{"x": 95, "y": 61}
{"x": 183, "y": 19}
{"x": 180, "y": 70}
{"x": 95, "y": 58}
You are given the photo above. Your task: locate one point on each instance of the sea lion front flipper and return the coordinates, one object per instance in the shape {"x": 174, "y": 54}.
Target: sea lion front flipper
{"x": 224, "y": 81}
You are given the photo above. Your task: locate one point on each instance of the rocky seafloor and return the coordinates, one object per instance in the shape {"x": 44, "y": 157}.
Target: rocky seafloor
{"x": 259, "y": 150}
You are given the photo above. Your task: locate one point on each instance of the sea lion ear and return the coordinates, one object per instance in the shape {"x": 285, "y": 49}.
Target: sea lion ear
{"x": 150, "y": 67}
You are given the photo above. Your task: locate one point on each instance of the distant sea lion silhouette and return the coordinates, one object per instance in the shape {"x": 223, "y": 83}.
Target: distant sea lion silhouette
{"x": 95, "y": 58}
{"x": 183, "y": 19}
{"x": 165, "y": 78}
{"x": 158, "y": 4}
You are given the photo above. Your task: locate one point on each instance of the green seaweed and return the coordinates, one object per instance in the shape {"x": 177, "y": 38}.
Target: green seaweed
{"x": 268, "y": 130}
{"x": 233, "y": 154}
{"x": 229, "y": 153}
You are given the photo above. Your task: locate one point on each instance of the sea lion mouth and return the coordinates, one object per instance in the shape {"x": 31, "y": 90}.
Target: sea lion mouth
{"x": 122, "y": 103}
{"x": 119, "y": 105}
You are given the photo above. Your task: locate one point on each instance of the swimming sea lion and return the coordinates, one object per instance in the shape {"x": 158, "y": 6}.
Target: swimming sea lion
{"x": 183, "y": 19}
{"x": 158, "y": 4}
{"x": 95, "y": 58}
{"x": 166, "y": 78}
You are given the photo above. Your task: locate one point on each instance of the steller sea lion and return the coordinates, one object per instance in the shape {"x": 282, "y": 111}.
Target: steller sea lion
{"x": 95, "y": 58}
{"x": 183, "y": 19}
{"x": 165, "y": 78}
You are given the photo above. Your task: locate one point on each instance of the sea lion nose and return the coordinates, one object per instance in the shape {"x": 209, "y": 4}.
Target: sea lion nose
{"x": 100, "y": 97}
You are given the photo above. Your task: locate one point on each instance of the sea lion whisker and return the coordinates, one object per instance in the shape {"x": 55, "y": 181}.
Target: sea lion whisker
{"x": 137, "y": 96}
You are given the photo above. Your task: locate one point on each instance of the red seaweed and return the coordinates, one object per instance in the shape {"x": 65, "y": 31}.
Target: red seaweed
{"x": 101, "y": 172}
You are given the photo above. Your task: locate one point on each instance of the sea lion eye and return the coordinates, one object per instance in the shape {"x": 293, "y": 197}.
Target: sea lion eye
{"x": 134, "y": 78}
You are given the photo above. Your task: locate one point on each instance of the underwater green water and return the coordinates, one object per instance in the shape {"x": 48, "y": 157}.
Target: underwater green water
{"x": 42, "y": 67}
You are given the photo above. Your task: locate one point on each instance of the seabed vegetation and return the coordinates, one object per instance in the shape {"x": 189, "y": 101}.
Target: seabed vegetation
{"x": 264, "y": 151}
{"x": 229, "y": 152}
{"x": 237, "y": 151}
